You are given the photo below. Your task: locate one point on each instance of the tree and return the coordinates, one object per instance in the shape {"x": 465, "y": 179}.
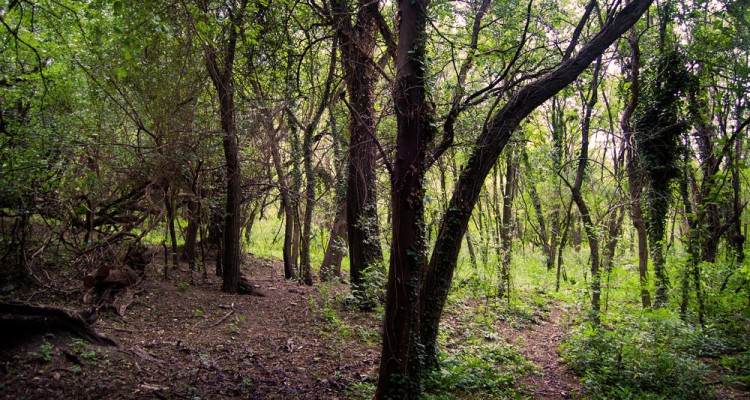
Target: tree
{"x": 357, "y": 43}
{"x": 413, "y": 304}
{"x": 658, "y": 130}
{"x": 220, "y": 66}
{"x": 632, "y": 166}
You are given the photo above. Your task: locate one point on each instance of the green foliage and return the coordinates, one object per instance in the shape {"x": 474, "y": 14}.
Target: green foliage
{"x": 738, "y": 366}
{"x": 486, "y": 372}
{"x": 639, "y": 357}
{"x": 326, "y": 310}
{"x": 362, "y": 390}
{"x": 45, "y": 352}
{"x": 658, "y": 133}
{"x": 372, "y": 292}
{"x": 91, "y": 355}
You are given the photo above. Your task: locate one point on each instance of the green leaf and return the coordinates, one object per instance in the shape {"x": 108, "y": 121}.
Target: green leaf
{"x": 121, "y": 73}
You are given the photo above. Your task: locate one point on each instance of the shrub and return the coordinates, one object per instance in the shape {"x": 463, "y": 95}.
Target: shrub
{"x": 639, "y": 358}
{"x": 478, "y": 372}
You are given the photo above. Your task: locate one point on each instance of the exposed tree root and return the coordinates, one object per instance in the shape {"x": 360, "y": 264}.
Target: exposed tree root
{"x": 22, "y": 318}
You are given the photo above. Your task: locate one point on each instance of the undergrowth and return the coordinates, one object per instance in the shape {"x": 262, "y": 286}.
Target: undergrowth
{"x": 648, "y": 355}
{"x": 487, "y": 371}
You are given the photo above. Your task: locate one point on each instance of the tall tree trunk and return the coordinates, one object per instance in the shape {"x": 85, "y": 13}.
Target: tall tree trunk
{"x": 400, "y": 364}
{"x": 592, "y": 233}
{"x": 290, "y": 267}
{"x": 330, "y": 268}
{"x": 295, "y": 193}
{"x": 506, "y": 229}
{"x": 635, "y": 180}
{"x": 191, "y": 235}
{"x": 658, "y": 131}
{"x": 169, "y": 205}
{"x": 304, "y": 253}
{"x": 563, "y": 241}
{"x": 222, "y": 77}
{"x": 693, "y": 265}
{"x": 490, "y": 143}
{"x": 357, "y": 44}
{"x": 310, "y": 178}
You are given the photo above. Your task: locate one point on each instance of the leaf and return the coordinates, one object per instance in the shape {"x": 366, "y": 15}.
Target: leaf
{"x": 122, "y": 73}
{"x": 117, "y": 7}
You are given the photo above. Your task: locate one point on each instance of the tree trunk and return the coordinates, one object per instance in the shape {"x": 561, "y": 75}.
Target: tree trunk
{"x": 304, "y": 254}
{"x": 563, "y": 241}
{"x": 592, "y": 233}
{"x": 400, "y": 365}
{"x": 635, "y": 183}
{"x": 191, "y": 236}
{"x": 693, "y": 265}
{"x": 223, "y": 81}
{"x": 331, "y": 266}
{"x": 290, "y": 266}
{"x": 23, "y": 318}
{"x": 169, "y": 205}
{"x": 506, "y": 229}
{"x": 357, "y": 44}
{"x": 336, "y": 249}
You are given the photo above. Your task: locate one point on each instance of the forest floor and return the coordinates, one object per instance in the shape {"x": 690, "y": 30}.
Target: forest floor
{"x": 183, "y": 340}
{"x": 540, "y": 344}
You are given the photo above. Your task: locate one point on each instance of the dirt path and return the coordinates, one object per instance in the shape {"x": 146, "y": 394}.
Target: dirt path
{"x": 540, "y": 345}
{"x": 183, "y": 340}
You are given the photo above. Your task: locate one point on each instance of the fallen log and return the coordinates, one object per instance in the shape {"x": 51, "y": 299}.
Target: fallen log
{"x": 21, "y": 318}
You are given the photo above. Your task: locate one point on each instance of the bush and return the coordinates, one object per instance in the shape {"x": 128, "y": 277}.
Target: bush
{"x": 739, "y": 368}
{"x": 640, "y": 358}
{"x": 478, "y": 372}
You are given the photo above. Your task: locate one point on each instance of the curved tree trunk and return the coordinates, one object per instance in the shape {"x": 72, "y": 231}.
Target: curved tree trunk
{"x": 489, "y": 145}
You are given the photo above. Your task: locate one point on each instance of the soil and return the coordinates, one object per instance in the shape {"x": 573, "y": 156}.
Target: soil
{"x": 540, "y": 343}
{"x": 188, "y": 341}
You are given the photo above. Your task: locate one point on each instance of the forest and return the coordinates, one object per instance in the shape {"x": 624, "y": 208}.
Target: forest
{"x": 356, "y": 199}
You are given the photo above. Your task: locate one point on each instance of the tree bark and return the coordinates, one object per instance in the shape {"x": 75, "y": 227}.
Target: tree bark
{"x": 169, "y": 205}
{"x": 191, "y": 236}
{"x": 635, "y": 180}
{"x": 331, "y": 266}
{"x": 336, "y": 249}
{"x": 400, "y": 365}
{"x": 22, "y": 318}
{"x": 357, "y": 44}
{"x": 222, "y": 77}
{"x": 287, "y": 206}
{"x": 506, "y": 228}
{"x": 592, "y": 233}
{"x": 304, "y": 248}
